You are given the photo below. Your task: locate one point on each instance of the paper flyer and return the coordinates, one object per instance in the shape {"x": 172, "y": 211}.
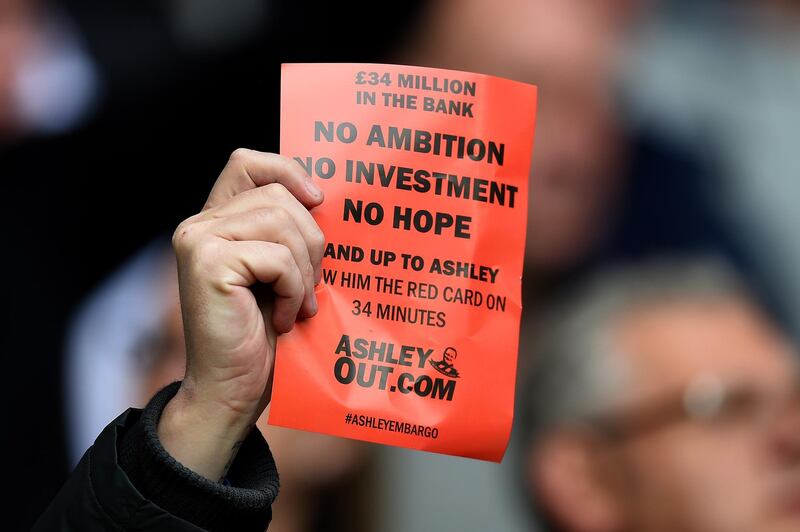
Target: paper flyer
{"x": 425, "y": 175}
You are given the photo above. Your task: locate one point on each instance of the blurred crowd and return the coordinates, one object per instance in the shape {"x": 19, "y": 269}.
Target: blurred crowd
{"x": 658, "y": 385}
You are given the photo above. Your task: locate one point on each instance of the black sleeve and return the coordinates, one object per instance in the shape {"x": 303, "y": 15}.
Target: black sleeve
{"x": 126, "y": 480}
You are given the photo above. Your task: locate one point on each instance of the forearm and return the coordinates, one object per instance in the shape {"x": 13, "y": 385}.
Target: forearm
{"x": 244, "y": 503}
{"x": 127, "y": 480}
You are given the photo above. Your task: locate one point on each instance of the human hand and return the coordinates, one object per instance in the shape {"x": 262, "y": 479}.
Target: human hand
{"x": 247, "y": 267}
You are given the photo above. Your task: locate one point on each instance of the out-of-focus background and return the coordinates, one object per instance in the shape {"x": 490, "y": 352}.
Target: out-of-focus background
{"x": 664, "y": 217}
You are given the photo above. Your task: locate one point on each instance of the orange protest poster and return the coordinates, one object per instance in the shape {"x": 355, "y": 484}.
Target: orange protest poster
{"x": 425, "y": 175}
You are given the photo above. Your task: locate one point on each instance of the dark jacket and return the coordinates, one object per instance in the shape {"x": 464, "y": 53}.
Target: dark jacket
{"x": 127, "y": 481}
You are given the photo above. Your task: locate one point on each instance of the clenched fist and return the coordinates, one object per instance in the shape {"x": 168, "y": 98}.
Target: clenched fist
{"x": 247, "y": 267}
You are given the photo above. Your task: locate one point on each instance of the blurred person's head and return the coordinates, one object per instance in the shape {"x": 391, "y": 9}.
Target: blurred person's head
{"x": 568, "y": 49}
{"x": 48, "y": 82}
{"x": 662, "y": 398}
{"x": 15, "y": 30}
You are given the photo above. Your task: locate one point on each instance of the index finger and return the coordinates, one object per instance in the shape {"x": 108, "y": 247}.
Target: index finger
{"x": 249, "y": 169}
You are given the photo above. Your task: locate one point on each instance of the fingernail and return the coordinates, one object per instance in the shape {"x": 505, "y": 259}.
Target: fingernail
{"x": 313, "y": 304}
{"x": 318, "y": 276}
{"x": 313, "y": 189}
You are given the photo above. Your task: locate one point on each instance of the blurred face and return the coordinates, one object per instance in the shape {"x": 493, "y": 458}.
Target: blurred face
{"x": 567, "y": 48}
{"x": 735, "y": 465}
{"x": 17, "y": 27}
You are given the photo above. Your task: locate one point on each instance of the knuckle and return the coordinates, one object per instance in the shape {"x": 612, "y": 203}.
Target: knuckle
{"x": 308, "y": 273}
{"x": 280, "y": 216}
{"x": 284, "y": 255}
{"x": 184, "y": 236}
{"x": 276, "y": 191}
{"x": 240, "y": 155}
{"x": 317, "y": 239}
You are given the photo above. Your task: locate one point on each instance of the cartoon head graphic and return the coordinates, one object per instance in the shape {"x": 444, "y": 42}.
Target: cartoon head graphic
{"x": 445, "y": 366}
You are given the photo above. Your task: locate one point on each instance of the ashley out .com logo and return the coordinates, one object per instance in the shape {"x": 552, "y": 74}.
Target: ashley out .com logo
{"x": 397, "y": 368}
{"x": 446, "y": 366}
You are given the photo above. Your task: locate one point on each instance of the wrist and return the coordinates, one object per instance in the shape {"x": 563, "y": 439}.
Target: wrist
{"x": 212, "y": 405}
{"x": 202, "y": 436}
